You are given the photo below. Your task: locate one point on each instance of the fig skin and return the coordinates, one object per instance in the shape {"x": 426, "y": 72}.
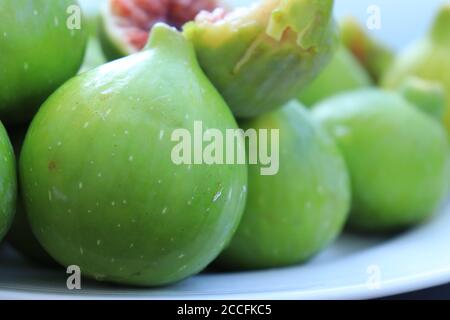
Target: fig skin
{"x": 262, "y": 56}
{"x": 38, "y": 53}
{"x": 397, "y": 156}
{"x": 428, "y": 59}
{"x": 109, "y": 198}
{"x": 292, "y": 215}
{"x": 8, "y": 183}
{"x": 20, "y": 235}
{"x": 343, "y": 73}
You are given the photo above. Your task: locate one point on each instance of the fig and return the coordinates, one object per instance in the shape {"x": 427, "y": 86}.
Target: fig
{"x": 38, "y": 52}
{"x": 428, "y": 96}
{"x": 374, "y": 55}
{"x": 125, "y": 24}
{"x": 8, "y": 183}
{"x": 292, "y": 215}
{"x": 100, "y": 186}
{"x": 343, "y": 73}
{"x": 427, "y": 59}
{"x": 20, "y": 235}
{"x": 397, "y": 156}
{"x": 260, "y": 57}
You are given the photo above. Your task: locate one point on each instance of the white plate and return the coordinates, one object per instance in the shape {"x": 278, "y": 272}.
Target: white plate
{"x": 355, "y": 267}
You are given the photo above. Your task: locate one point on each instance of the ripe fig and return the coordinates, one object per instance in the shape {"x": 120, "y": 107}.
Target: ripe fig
{"x": 375, "y": 56}
{"x": 292, "y": 215}
{"x": 125, "y": 24}
{"x": 38, "y": 52}
{"x": 100, "y": 186}
{"x": 343, "y": 73}
{"x": 428, "y": 96}
{"x": 427, "y": 59}
{"x": 8, "y": 183}
{"x": 262, "y": 56}
{"x": 397, "y": 156}
{"x": 20, "y": 235}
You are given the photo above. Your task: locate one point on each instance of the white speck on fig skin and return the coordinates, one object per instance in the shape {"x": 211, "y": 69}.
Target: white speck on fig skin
{"x": 80, "y": 185}
{"x": 26, "y": 66}
{"x": 99, "y": 242}
{"x": 86, "y": 124}
{"x": 161, "y": 134}
{"x": 56, "y": 21}
{"x": 81, "y": 251}
{"x": 5, "y": 34}
{"x": 49, "y": 195}
{"x": 217, "y": 195}
{"x": 35, "y": 12}
{"x": 164, "y": 211}
{"x": 230, "y": 193}
{"x": 182, "y": 268}
{"x": 131, "y": 158}
{"x": 131, "y": 245}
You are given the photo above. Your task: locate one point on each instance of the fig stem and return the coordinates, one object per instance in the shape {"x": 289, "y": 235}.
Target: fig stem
{"x": 165, "y": 36}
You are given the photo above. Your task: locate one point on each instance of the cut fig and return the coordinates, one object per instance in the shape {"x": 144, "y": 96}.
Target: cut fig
{"x": 260, "y": 57}
{"x": 126, "y": 24}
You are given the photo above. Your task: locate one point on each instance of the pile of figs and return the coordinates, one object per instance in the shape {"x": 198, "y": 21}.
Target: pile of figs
{"x": 118, "y": 120}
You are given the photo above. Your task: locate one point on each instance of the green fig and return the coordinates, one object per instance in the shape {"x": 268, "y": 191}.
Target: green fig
{"x": 40, "y": 48}
{"x": 397, "y": 156}
{"x": 125, "y": 24}
{"x": 262, "y": 56}
{"x": 292, "y": 215}
{"x": 428, "y": 59}
{"x": 343, "y": 73}
{"x": 430, "y": 97}
{"x": 100, "y": 185}
{"x": 8, "y": 183}
{"x": 375, "y": 56}
{"x": 20, "y": 235}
